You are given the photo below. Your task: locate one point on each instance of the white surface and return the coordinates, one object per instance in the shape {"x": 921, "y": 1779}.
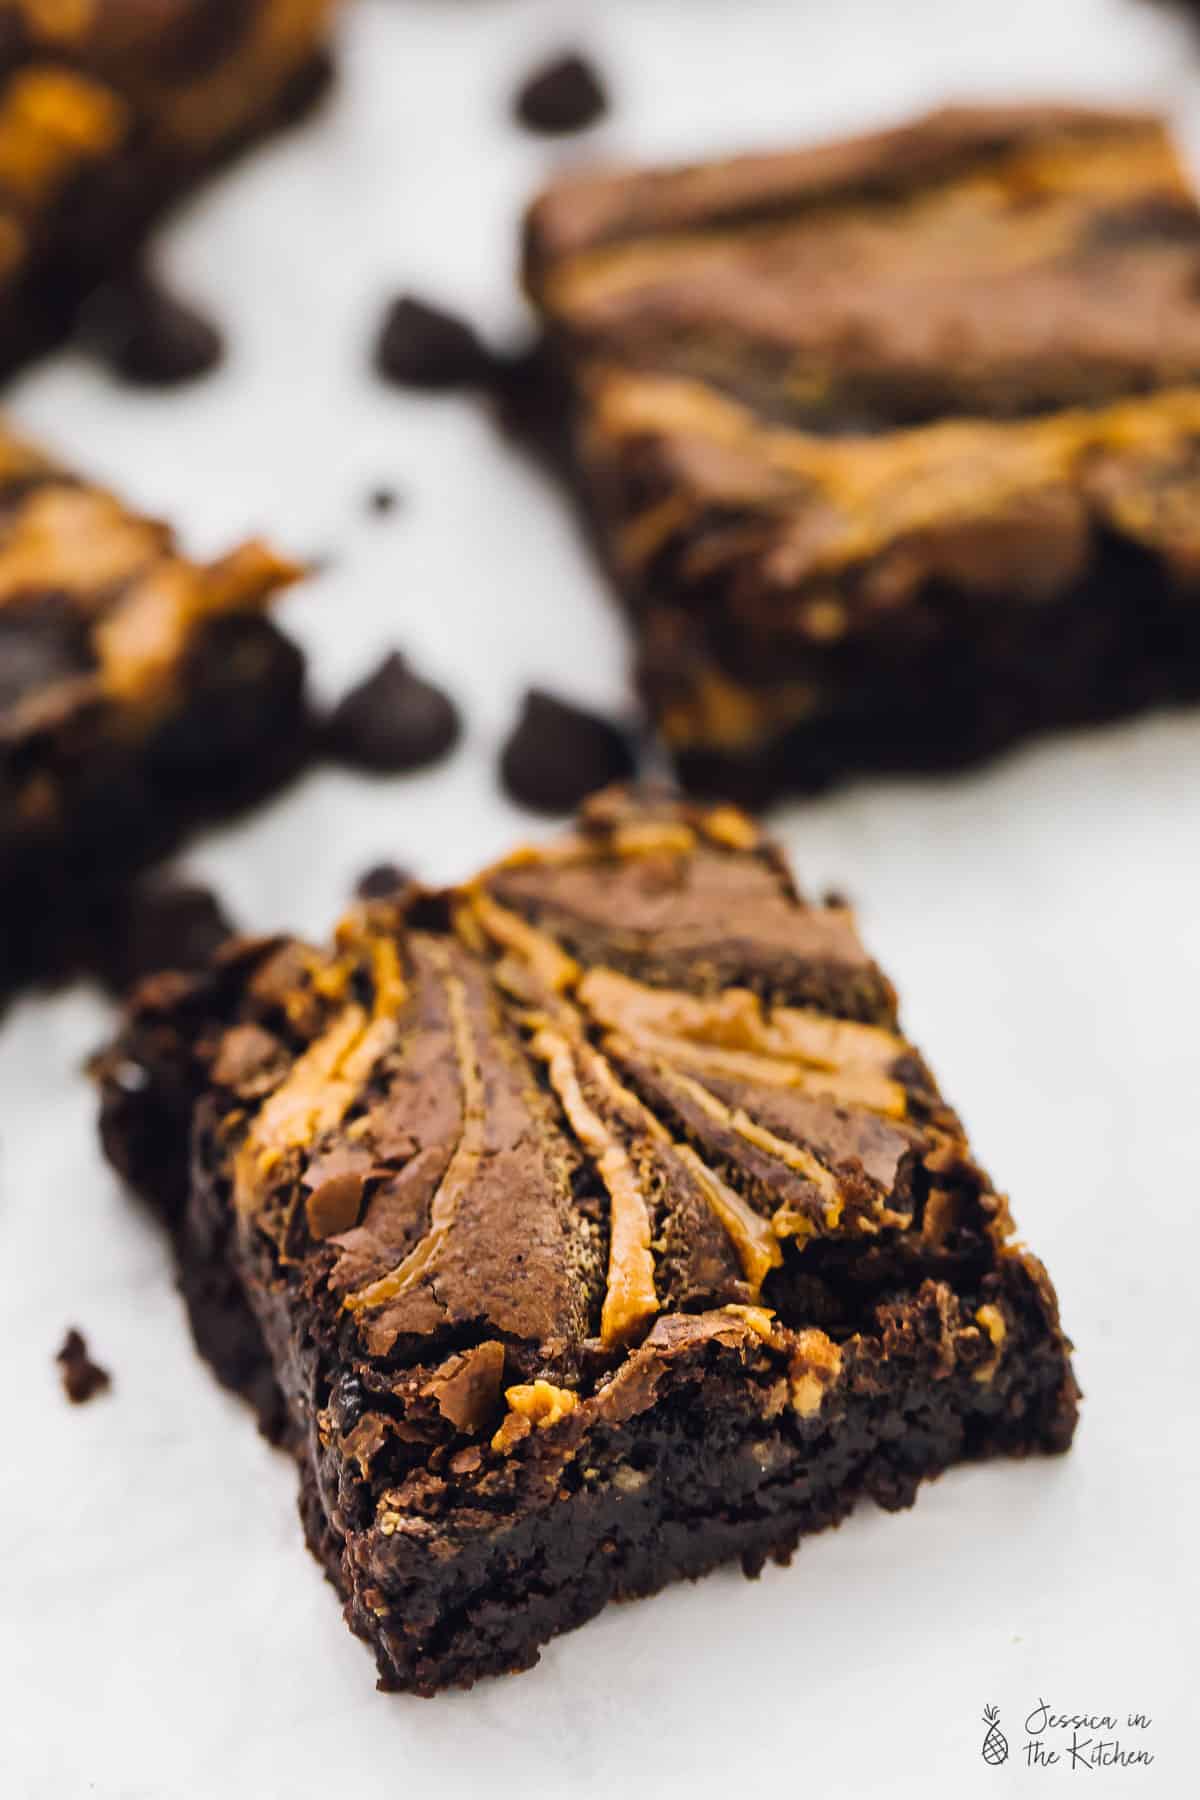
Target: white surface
{"x": 162, "y": 1630}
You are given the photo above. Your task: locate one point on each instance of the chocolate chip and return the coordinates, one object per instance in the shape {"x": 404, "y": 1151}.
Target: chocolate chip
{"x": 394, "y": 721}
{"x": 557, "y": 754}
{"x": 420, "y": 346}
{"x": 82, "y": 1378}
{"x": 148, "y": 337}
{"x": 382, "y": 881}
{"x": 562, "y": 96}
{"x": 160, "y": 925}
{"x": 347, "y": 1402}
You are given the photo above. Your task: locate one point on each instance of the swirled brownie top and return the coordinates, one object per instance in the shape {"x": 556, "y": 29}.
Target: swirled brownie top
{"x": 605, "y": 1083}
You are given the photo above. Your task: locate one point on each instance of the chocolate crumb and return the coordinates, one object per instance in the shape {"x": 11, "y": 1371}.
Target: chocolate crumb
{"x": 561, "y": 96}
{"x": 558, "y": 753}
{"x": 381, "y": 881}
{"x": 335, "y": 1205}
{"x": 82, "y": 1378}
{"x": 148, "y": 337}
{"x": 466, "y": 1388}
{"x": 394, "y": 721}
{"x": 421, "y": 346}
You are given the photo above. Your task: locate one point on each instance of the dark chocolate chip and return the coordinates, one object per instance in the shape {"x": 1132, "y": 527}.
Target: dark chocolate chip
{"x": 530, "y": 404}
{"x": 347, "y": 1402}
{"x": 148, "y": 337}
{"x": 82, "y": 1378}
{"x": 394, "y": 721}
{"x": 160, "y": 925}
{"x": 381, "y": 882}
{"x": 557, "y": 754}
{"x": 562, "y": 96}
{"x": 420, "y": 346}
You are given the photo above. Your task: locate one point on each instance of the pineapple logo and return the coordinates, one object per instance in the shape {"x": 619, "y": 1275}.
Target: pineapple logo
{"x": 995, "y": 1744}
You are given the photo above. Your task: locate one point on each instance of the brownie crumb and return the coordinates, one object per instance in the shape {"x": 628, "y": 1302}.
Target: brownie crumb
{"x": 147, "y": 336}
{"x": 558, "y": 753}
{"x": 160, "y": 925}
{"x": 562, "y": 96}
{"x": 394, "y": 721}
{"x": 382, "y": 500}
{"x": 382, "y": 881}
{"x": 82, "y": 1378}
{"x": 421, "y": 346}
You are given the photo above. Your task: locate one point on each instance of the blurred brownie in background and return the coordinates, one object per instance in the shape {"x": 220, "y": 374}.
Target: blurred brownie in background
{"x": 111, "y": 108}
{"x": 893, "y": 444}
{"x": 139, "y": 692}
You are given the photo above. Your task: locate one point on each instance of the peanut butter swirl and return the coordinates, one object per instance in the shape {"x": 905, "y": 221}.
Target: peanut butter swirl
{"x": 546, "y": 1121}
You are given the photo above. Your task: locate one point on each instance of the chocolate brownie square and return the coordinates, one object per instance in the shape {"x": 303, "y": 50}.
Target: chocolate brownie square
{"x": 891, "y": 444}
{"x": 140, "y": 692}
{"x": 579, "y": 1229}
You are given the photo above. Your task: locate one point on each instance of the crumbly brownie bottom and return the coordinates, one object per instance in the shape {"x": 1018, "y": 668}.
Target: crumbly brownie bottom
{"x": 555, "y": 1572}
{"x": 986, "y": 682}
{"x": 673, "y": 1504}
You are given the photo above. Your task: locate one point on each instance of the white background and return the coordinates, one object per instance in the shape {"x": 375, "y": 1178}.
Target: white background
{"x": 162, "y": 1630}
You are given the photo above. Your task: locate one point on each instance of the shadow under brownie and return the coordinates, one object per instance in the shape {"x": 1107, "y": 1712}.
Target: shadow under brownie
{"x": 890, "y": 443}
{"x": 140, "y": 693}
{"x": 579, "y": 1229}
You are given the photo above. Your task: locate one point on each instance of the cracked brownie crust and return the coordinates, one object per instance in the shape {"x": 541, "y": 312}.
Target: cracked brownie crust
{"x": 111, "y": 108}
{"x": 139, "y": 691}
{"x": 890, "y": 443}
{"x": 578, "y": 1229}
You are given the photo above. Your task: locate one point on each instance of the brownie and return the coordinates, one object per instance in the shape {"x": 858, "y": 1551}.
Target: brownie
{"x": 892, "y": 444}
{"x": 110, "y": 109}
{"x": 82, "y": 1378}
{"x": 579, "y": 1229}
{"x": 140, "y": 692}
